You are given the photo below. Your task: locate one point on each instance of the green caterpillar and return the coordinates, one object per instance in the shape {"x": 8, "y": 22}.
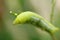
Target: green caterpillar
{"x": 35, "y": 19}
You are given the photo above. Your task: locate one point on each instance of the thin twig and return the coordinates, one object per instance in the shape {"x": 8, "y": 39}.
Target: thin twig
{"x": 52, "y": 11}
{"x": 51, "y": 18}
{"x": 53, "y": 37}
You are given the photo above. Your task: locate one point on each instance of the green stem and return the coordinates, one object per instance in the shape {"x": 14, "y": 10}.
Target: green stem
{"x": 51, "y": 18}
{"x": 53, "y": 37}
{"x": 52, "y": 11}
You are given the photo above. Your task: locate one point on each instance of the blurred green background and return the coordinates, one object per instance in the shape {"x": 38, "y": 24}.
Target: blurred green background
{"x": 8, "y": 31}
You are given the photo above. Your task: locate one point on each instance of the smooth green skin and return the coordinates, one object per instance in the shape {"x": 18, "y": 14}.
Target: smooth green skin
{"x": 27, "y": 16}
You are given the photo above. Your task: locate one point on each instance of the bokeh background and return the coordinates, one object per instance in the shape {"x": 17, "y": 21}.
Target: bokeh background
{"x": 8, "y": 31}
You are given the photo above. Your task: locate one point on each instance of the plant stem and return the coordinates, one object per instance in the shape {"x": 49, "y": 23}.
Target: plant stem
{"x": 52, "y": 11}
{"x": 53, "y": 37}
{"x": 51, "y": 17}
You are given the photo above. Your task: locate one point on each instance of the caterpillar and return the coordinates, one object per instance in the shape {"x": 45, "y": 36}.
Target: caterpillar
{"x": 35, "y": 19}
